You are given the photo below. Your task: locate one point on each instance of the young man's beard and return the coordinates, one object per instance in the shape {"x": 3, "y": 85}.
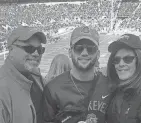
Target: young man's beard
{"x": 89, "y": 66}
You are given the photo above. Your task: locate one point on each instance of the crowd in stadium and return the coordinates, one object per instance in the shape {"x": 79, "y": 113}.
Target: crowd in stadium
{"x": 50, "y": 18}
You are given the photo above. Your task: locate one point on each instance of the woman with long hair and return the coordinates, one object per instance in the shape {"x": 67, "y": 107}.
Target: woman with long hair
{"x": 124, "y": 72}
{"x": 59, "y": 65}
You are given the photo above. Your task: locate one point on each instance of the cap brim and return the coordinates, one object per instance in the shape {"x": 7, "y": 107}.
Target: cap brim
{"x": 84, "y": 37}
{"x": 114, "y": 46}
{"x": 26, "y": 36}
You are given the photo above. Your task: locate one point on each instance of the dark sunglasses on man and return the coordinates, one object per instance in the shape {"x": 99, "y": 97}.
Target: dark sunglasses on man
{"x": 91, "y": 49}
{"x": 32, "y": 49}
{"x": 126, "y": 59}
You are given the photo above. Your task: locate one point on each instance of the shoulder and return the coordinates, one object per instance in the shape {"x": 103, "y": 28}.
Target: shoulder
{"x": 4, "y": 79}
{"x": 3, "y": 71}
{"x": 103, "y": 79}
{"x": 59, "y": 80}
{"x": 4, "y": 91}
{"x": 55, "y": 86}
{"x": 4, "y": 74}
{"x": 103, "y": 83}
{"x": 4, "y": 82}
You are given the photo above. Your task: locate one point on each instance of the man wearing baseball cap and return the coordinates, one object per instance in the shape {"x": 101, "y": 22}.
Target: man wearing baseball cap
{"x": 21, "y": 84}
{"x": 78, "y": 95}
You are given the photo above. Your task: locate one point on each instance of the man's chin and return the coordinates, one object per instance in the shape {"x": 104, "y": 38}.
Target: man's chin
{"x": 84, "y": 62}
{"x": 84, "y": 65}
{"x": 84, "y": 68}
{"x": 30, "y": 67}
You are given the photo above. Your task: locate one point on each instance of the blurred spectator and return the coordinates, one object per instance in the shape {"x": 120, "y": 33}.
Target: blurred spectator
{"x": 59, "y": 64}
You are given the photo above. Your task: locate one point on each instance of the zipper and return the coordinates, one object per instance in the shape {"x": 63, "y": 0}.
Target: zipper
{"x": 125, "y": 111}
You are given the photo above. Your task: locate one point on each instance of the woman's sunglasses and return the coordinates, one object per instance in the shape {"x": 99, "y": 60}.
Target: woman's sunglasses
{"x": 31, "y": 49}
{"x": 90, "y": 49}
{"x": 126, "y": 59}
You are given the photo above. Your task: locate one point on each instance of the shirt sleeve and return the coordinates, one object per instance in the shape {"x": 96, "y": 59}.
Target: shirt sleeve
{"x": 49, "y": 106}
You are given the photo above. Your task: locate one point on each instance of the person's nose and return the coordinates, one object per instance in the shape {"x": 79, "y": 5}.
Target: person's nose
{"x": 84, "y": 52}
{"x": 36, "y": 54}
{"x": 121, "y": 63}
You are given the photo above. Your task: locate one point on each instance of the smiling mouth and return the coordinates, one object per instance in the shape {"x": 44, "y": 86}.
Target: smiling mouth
{"x": 123, "y": 70}
{"x": 84, "y": 59}
{"x": 33, "y": 61}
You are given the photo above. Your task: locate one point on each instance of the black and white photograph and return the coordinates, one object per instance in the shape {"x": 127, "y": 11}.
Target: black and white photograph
{"x": 70, "y": 61}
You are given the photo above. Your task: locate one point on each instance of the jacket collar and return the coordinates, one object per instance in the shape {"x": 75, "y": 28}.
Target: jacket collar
{"x": 17, "y": 76}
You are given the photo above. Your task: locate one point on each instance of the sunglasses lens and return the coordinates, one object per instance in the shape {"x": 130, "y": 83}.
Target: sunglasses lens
{"x": 91, "y": 49}
{"x": 126, "y": 59}
{"x": 31, "y": 49}
{"x": 78, "y": 48}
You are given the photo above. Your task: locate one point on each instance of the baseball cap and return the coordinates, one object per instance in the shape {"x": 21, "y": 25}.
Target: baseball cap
{"x": 84, "y": 32}
{"x": 23, "y": 33}
{"x": 129, "y": 40}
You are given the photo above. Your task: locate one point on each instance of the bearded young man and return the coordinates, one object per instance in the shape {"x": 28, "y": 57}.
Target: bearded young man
{"x": 78, "y": 95}
{"x": 21, "y": 84}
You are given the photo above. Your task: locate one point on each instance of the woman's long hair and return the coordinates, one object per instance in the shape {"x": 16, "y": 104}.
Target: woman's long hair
{"x": 133, "y": 82}
{"x": 59, "y": 65}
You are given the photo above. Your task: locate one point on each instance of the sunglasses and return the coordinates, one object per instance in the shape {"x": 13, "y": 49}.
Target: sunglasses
{"x": 90, "y": 49}
{"x": 126, "y": 59}
{"x": 31, "y": 49}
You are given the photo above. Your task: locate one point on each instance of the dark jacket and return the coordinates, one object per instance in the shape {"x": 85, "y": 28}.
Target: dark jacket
{"x": 36, "y": 93}
{"x": 61, "y": 92}
{"x": 125, "y": 107}
{"x": 99, "y": 101}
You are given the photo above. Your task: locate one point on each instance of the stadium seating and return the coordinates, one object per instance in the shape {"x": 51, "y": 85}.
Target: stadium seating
{"x": 50, "y": 18}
